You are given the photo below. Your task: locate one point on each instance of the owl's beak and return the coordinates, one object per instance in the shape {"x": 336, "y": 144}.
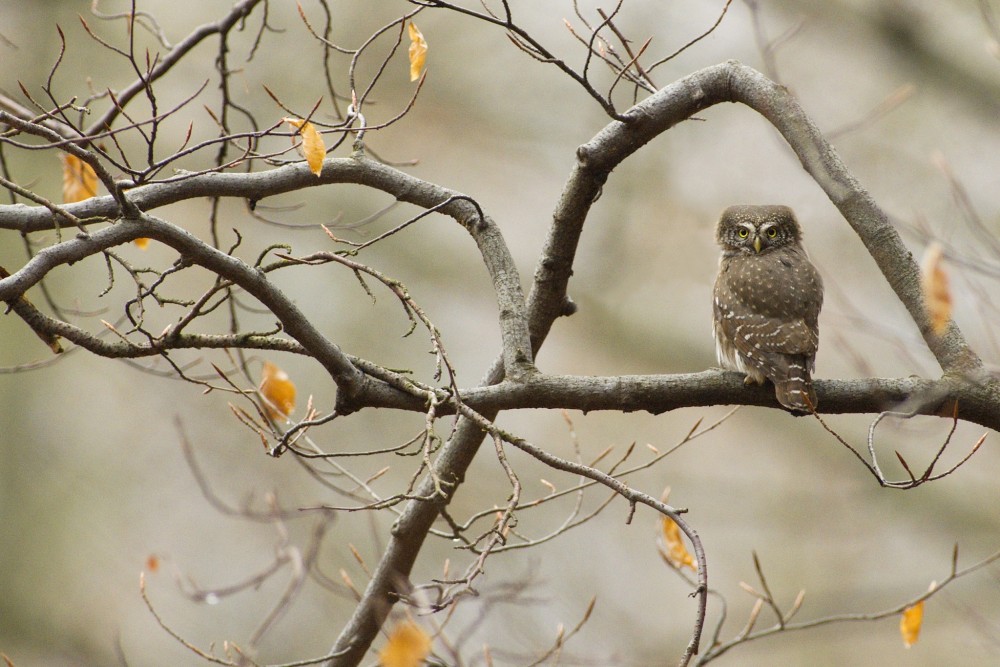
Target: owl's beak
{"x": 756, "y": 244}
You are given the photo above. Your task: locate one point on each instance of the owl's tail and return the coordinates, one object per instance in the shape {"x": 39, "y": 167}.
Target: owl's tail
{"x": 795, "y": 391}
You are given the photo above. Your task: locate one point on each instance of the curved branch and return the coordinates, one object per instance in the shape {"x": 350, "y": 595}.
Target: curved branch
{"x": 734, "y": 82}
{"x": 357, "y": 170}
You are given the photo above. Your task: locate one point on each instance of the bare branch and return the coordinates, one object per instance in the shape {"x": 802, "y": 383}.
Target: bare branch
{"x": 718, "y": 650}
{"x": 238, "y": 13}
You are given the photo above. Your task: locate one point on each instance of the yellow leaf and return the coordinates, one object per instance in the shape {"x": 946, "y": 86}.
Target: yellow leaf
{"x": 408, "y": 646}
{"x": 937, "y": 295}
{"x": 909, "y": 623}
{"x": 141, "y": 243}
{"x": 313, "y": 147}
{"x": 418, "y": 52}
{"x": 672, "y": 549}
{"x": 79, "y": 179}
{"x": 277, "y": 390}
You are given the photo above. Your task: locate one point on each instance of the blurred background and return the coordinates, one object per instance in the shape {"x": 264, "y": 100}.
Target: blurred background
{"x": 95, "y": 482}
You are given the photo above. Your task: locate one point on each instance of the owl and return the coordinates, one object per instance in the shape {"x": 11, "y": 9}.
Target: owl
{"x": 767, "y": 301}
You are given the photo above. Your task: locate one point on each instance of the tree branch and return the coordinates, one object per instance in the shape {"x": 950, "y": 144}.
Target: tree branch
{"x": 548, "y": 299}
{"x": 238, "y": 13}
{"x": 657, "y": 394}
{"x": 255, "y": 186}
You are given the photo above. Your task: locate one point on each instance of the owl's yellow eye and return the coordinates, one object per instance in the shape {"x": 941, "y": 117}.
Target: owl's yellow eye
{"x": 743, "y": 232}
{"x": 772, "y": 232}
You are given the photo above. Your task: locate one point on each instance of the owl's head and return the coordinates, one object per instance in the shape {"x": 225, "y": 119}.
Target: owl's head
{"x": 755, "y": 230}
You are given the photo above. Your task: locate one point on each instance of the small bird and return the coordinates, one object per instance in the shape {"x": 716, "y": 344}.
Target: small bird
{"x": 767, "y": 300}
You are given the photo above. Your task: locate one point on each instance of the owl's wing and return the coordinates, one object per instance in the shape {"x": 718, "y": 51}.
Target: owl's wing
{"x": 770, "y": 344}
{"x": 757, "y": 333}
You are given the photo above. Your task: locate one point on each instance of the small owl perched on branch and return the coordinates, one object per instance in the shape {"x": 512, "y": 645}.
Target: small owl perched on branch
{"x": 767, "y": 301}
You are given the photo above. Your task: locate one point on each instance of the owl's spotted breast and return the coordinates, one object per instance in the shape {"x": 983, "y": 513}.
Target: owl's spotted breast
{"x": 785, "y": 281}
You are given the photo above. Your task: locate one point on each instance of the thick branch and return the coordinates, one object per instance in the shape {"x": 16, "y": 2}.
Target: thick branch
{"x": 657, "y": 394}
{"x": 391, "y": 577}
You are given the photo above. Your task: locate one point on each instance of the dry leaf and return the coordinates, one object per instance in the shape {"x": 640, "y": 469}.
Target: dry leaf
{"x": 937, "y": 295}
{"x": 79, "y": 179}
{"x": 278, "y": 391}
{"x": 909, "y": 623}
{"x": 408, "y": 646}
{"x": 672, "y": 549}
{"x": 141, "y": 243}
{"x": 313, "y": 147}
{"x": 418, "y": 52}
{"x": 152, "y": 563}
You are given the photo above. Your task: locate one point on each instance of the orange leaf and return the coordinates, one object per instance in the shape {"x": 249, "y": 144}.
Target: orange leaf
{"x": 277, "y": 390}
{"x": 672, "y": 549}
{"x": 313, "y": 147}
{"x": 152, "y": 563}
{"x": 408, "y": 646}
{"x": 79, "y": 179}
{"x": 937, "y": 295}
{"x": 418, "y": 52}
{"x": 909, "y": 623}
{"x": 141, "y": 243}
